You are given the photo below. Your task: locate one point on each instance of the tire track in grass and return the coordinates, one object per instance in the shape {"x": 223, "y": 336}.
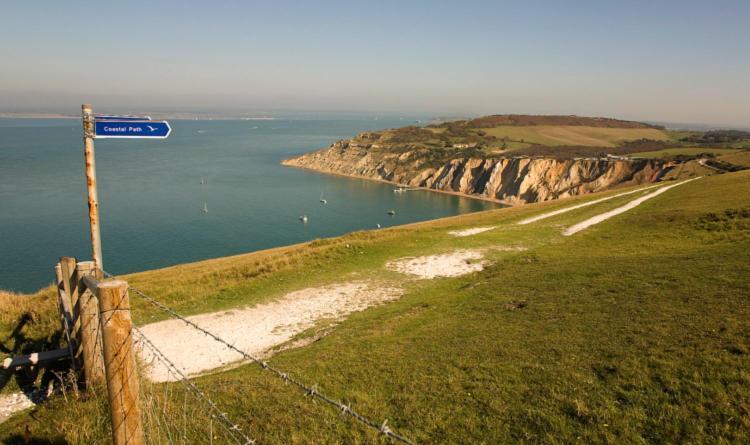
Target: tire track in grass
{"x": 622, "y": 209}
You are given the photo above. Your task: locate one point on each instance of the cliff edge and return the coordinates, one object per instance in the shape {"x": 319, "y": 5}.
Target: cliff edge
{"x": 511, "y": 180}
{"x": 514, "y": 159}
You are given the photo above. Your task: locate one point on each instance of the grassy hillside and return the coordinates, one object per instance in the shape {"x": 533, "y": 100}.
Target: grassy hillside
{"x": 685, "y": 151}
{"x": 737, "y": 158}
{"x": 501, "y": 132}
{"x": 633, "y": 331}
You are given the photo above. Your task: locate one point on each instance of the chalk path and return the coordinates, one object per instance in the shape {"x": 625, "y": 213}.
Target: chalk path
{"x": 253, "y": 329}
{"x": 13, "y": 403}
{"x": 606, "y": 215}
{"x": 470, "y": 232}
{"x": 579, "y": 206}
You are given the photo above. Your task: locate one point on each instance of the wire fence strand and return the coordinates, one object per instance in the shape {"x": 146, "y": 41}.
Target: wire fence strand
{"x": 312, "y": 391}
{"x": 232, "y": 428}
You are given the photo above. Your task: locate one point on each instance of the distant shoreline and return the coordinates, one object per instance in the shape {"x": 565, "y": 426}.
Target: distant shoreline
{"x": 36, "y": 116}
{"x": 153, "y": 116}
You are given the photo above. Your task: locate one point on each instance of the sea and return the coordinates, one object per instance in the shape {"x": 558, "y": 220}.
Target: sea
{"x": 213, "y": 188}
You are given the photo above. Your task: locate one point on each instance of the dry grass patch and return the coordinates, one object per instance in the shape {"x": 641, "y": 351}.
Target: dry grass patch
{"x": 40, "y": 308}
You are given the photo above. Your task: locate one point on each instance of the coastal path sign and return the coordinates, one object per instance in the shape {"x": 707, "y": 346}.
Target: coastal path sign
{"x": 131, "y": 129}
{"x": 117, "y": 127}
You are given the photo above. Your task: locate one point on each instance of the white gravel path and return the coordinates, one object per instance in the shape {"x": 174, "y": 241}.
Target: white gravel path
{"x": 632, "y": 204}
{"x": 579, "y": 206}
{"x": 13, "y": 403}
{"x": 255, "y": 329}
{"x": 469, "y": 232}
{"x": 451, "y": 264}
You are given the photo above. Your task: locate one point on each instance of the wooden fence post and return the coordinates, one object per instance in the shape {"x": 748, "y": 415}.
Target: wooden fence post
{"x": 70, "y": 286}
{"x": 91, "y": 338}
{"x": 119, "y": 363}
{"x": 66, "y": 315}
{"x": 70, "y": 283}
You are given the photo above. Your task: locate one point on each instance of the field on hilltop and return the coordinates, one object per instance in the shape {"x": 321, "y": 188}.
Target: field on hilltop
{"x": 634, "y": 330}
{"x": 738, "y": 158}
{"x": 685, "y": 151}
{"x": 522, "y": 131}
{"x": 552, "y": 135}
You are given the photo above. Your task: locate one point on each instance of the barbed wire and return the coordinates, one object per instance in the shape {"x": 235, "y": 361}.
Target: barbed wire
{"x": 233, "y": 429}
{"x": 312, "y": 391}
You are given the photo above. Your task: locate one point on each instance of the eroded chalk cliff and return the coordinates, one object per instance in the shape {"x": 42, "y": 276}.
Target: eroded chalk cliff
{"x": 513, "y": 180}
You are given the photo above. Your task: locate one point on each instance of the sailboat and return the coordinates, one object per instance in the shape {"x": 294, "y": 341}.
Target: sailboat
{"x": 205, "y": 207}
{"x": 203, "y": 181}
{"x": 323, "y": 201}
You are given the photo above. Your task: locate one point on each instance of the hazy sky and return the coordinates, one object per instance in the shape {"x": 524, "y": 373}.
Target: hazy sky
{"x": 679, "y": 61}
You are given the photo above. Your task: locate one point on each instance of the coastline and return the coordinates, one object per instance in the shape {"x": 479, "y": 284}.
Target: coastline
{"x": 385, "y": 181}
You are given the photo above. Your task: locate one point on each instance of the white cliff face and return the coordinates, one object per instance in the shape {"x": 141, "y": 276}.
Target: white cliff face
{"x": 512, "y": 180}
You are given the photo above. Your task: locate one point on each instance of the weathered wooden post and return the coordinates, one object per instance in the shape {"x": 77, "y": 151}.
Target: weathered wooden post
{"x": 70, "y": 289}
{"x": 91, "y": 339}
{"x": 119, "y": 363}
{"x": 66, "y": 315}
{"x": 69, "y": 279}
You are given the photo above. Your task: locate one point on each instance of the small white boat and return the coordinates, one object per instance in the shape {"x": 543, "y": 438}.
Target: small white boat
{"x": 402, "y": 189}
{"x": 378, "y": 225}
{"x": 324, "y": 201}
{"x": 203, "y": 181}
{"x": 205, "y": 208}
{"x": 391, "y": 212}
{"x": 303, "y": 218}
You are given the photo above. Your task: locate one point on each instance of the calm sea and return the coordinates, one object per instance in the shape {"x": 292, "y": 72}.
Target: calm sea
{"x": 152, "y": 199}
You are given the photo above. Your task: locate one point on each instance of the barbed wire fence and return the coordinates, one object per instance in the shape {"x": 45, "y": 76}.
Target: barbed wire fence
{"x": 235, "y": 433}
{"x": 231, "y": 429}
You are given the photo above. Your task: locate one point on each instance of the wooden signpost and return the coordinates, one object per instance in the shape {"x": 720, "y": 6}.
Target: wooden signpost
{"x": 95, "y": 313}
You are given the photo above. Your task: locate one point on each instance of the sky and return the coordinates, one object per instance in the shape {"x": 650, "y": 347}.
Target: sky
{"x": 671, "y": 61}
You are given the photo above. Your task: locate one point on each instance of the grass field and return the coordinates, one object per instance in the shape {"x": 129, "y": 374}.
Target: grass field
{"x": 689, "y": 169}
{"x": 553, "y": 135}
{"x": 633, "y": 331}
{"x": 737, "y": 158}
{"x": 683, "y": 151}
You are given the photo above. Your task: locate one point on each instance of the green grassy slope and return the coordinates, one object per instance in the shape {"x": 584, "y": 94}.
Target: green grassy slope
{"x": 737, "y": 158}
{"x": 685, "y": 151}
{"x": 633, "y": 331}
